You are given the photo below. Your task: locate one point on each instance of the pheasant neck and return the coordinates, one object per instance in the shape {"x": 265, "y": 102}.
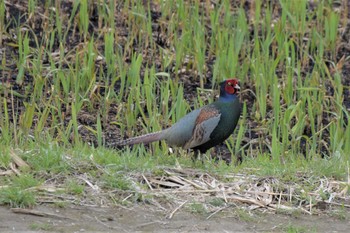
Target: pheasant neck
{"x": 227, "y": 98}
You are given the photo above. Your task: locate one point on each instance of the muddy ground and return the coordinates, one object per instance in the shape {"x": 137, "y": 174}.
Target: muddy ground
{"x": 141, "y": 219}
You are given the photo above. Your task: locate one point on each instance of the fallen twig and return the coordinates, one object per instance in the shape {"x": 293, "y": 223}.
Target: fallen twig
{"x": 36, "y": 213}
{"x": 176, "y": 209}
{"x": 18, "y": 160}
{"x": 147, "y": 182}
{"x": 218, "y": 210}
{"x": 14, "y": 169}
{"x": 6, "y": 173}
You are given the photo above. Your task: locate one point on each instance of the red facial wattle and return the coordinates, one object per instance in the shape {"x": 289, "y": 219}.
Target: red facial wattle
{"x": 231, "y": 86}
{"x": 230, "y": 89}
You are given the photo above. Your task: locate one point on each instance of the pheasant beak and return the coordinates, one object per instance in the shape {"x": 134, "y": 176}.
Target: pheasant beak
{"x": 237, "y": 87}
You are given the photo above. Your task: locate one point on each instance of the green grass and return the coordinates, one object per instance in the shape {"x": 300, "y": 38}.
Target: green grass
{"x": 136, "y": 81}
{"x": 18, "y": 193}
{"x": 75, "y": 188}
{"x": 244, "y": 215}
{"x": 340, "y": 214}
{"x": 41, "y": 226}
{"x": 290, "y": 228}
{"x": 335, "y": 167}
{"x": 197, "y": 208}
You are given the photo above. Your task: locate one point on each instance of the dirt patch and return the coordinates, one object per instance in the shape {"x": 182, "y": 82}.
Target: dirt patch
{"x": 141, "y": 219}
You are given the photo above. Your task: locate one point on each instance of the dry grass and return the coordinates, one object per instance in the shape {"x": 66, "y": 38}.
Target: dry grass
{"x": 177, "y": 188}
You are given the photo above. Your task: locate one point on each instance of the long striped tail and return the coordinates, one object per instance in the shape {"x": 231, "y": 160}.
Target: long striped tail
{"x": 145, "y": 139}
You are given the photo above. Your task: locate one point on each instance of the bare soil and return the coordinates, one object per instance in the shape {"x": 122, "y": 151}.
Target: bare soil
{"x": 141, "y": 219}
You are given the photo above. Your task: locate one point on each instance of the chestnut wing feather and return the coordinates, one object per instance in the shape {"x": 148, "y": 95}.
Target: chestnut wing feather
{"x": 206, "y": 122}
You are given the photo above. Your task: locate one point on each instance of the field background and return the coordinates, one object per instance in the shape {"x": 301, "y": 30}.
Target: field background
{"x": 77, "y": 76}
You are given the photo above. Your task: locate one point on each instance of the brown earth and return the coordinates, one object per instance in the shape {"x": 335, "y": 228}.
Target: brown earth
{"x": 141, "y": 219}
